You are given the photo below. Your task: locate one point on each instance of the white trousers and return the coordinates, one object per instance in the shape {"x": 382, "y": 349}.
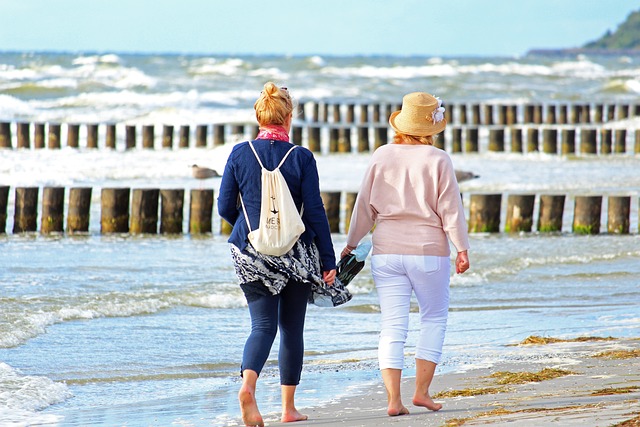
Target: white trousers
{"x": 396, "y": 277}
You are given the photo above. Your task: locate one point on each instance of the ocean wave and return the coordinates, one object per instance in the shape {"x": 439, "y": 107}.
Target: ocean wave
{"x": 11, "y": 106}
{"x": 22, "y": 396}
{"x": 118, "y": 99}
{"x": 397, "y": 72}
{"x": 97, "y": 59}
{"x": 225, "y": 67}
{"x": 633, "y": 85}
{"x": 317, "y": 61}
{"x": 621, "y": 86}
{"x": 86, "y": 73}
{"x": 22, "y": 324}
{"x": 440, "y": 68}
{"x": 10, "y": 73}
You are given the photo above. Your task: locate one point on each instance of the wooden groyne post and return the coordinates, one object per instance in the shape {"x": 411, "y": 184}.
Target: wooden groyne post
{"x": 618, "y": 213}
{"x": 349, "y": 204}
{"x": 620, "y": 141}
{"x": 586, "y": 216}
{"x": 296, "y": 135}
{"x": 4, "y": 200}
{"x": 114, "y": 216}
{"x": 363, "y": 139}
{"x": 52, "y": 220}
{"x": 516, "y": 140}
{"x": 568, "y": 144}
{"x": 471, "y": 143}
{"x": 606, "y": 141}
{"x": 25, "y": 216}
{"x": 92, "y": 136}
{"x": 54, "y": 136}
{"x": 550, "y": 141}
{"x": 144, "y": 211}
{"x": 79, "y": 210}
{"x": 313, "y": 138}
{"x": 550, "y": 213}
{"x": 201, "y": 211}
{"x": 484, "y": 213}
{"x": 110, "y": 141}
{"x": 331, "y": 202}
{"x": 519, "y": 213}
{"x": 24, "y": 135}
{"x": 456, "y": 140}
{"x": 73, "y": 135}
{"x": 588, "y": 141}
{"x": 380, "y": 136}
{"x": 172, "y": 207}
{"x": 184, "y": 136}
{"x": 225, "y": 227}
{"x": 533, "y": 137}
{"x": 167, "y": 136}
{"x": 148, "y": 137}
{"x": 202, "y": 134}
{"x": 5, "y": 135}
{"x": 496, "y": 140}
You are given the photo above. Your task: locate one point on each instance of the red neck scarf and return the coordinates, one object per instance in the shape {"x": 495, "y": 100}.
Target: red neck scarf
{"x": 277, "y": 132}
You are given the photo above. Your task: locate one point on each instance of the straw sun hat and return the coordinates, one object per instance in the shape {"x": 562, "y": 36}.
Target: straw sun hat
{"x": 421, "y": 115}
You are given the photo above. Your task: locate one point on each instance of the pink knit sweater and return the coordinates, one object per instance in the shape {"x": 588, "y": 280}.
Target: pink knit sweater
{"x": 411, "y": 195}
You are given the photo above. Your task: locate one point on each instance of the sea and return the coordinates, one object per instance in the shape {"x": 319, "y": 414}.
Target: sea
{"x": 148, "y": 330}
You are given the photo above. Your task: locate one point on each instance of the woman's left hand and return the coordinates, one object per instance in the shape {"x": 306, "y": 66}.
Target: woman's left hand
{"x": 462, "y": 262}
{"x": 329, "y": 276}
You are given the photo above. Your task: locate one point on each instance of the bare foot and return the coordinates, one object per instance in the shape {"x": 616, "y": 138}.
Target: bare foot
{"x": 426, "y": 402}
{"x": 292, "y": 416}
{"x": 249, "y": 408}
{"x": 395, "y": 410}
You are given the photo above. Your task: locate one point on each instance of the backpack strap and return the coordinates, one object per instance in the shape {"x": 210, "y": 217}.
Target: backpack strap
{"x": 255, "y": 153}
{"x": 244, "y": 210}
{"x": 285, "y": 156}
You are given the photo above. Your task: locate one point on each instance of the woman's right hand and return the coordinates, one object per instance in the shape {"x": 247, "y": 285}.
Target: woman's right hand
{"x": 462, "y": 262}
{"x": 346, "y": 251}
{"x": 329, "y": 277}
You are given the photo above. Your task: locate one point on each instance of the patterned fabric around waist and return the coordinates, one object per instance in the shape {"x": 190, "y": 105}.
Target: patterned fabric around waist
{"x": 301, "y": 264}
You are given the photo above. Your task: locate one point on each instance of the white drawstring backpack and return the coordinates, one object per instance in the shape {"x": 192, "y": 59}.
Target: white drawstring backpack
{"x": 280, "y": 222}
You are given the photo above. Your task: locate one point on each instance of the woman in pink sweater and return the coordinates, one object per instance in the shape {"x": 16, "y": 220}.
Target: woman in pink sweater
{"x": 411, "y": 195}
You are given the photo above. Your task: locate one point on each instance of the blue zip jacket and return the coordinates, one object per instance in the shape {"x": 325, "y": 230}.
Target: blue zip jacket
{"x": 242, "y": 174}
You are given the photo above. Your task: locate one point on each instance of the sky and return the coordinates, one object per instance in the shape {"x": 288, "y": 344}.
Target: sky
{"x": 302, "y": 27}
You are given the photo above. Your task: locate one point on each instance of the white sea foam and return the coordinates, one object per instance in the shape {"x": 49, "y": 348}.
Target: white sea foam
{"x": 226, "y": 67}
{"x": 318, "y": 61}
{"x": 10, "y": 73}
{"x": 22, "y": 396}
{"x": 10, "y": 106}
{"x": 439, "y": 68}
{"x": 96, "y": 59}
{"x": 633, "y": 85}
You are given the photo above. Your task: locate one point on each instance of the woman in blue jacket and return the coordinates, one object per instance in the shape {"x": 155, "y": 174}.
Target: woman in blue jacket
{"x": 277, "y": 288}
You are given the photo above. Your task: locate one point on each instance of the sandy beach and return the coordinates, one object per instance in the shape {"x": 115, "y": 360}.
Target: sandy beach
{"x": 598, "y": 385}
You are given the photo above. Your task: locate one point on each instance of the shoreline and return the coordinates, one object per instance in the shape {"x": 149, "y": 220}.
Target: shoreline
{"x": 593, "y": 391}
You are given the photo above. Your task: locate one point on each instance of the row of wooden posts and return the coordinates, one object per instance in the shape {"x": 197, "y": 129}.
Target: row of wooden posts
{"x": 136, "y": 212}
{"x": 456, "y": 139}
{"x": 474, "y": 113}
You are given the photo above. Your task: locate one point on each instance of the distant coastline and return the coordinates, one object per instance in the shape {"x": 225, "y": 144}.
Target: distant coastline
{"x": 583, "y": 51}
{"x": 624, "y": 41}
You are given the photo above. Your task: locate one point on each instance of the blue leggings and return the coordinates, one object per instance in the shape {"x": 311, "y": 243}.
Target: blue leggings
{"x": 286, "y": 310}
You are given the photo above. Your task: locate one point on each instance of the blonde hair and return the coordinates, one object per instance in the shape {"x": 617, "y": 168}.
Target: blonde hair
{"x": 273, "y": 106}
{"x": 402, "y": 138}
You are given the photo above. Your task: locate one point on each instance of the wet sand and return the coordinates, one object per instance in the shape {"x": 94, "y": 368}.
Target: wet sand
{"x": 600, "y": 391}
